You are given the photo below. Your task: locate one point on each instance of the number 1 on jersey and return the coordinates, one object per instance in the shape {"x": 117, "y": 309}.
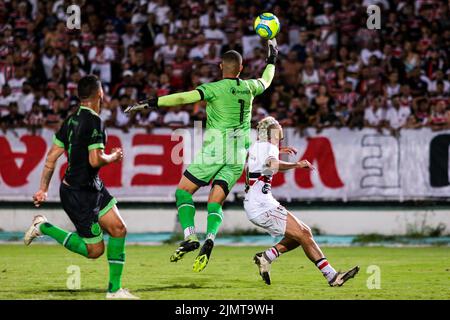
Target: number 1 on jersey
{"x": 242, "y": 103}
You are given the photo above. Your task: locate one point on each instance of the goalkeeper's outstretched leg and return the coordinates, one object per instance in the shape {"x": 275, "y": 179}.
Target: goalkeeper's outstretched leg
{"x": 215, "y": 217}
{"x": 186, "y": 214}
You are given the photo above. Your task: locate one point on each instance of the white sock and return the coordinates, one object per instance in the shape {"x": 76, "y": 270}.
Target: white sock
{"x": 271, "y": 254}
{"x": 326, "y": 269}
{"x": 189, "y": 231}
{"x": 211, "y": 236}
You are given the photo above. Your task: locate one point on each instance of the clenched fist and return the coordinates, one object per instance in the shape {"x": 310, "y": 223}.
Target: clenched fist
{"x": 305, "y": 164}
{"x": 117, "y": 154}
{"x": 39, "y": 197}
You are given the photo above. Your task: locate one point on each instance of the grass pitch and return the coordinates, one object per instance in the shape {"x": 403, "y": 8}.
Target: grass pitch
{"x": 40, "y": 272}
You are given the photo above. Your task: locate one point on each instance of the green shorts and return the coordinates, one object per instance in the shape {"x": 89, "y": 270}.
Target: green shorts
{"x": 224, "y": 170}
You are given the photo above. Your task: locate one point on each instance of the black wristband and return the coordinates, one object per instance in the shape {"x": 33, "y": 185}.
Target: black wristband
{"x": 271, "y": 60}
{"x": 273, "y": 53}
{"x": 151, "y": 103}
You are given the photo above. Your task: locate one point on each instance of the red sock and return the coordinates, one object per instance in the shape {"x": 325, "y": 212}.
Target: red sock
{"x": 326, "y": 269}
{"x": 271, "y": 254}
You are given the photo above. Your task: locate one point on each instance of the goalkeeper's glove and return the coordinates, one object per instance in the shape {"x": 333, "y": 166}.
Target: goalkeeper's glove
{"x": 273, "y": 51}
{"x": 151, "y": 103}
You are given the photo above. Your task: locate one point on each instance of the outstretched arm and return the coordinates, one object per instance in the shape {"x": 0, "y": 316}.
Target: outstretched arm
{"x": 193, "y": 96}
{"x": 259, "y": 85}
{"x": 278, "y": 165}
{"x": 176, "y": 99}
{"x": 269, "y": 71}
{"x": 169, "y": 100}
{"x": 267, "y": 76}
{"x": 50, "y": 164}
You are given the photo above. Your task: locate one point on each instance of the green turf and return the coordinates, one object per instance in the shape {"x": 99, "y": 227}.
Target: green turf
{"x": 39, "y": 272}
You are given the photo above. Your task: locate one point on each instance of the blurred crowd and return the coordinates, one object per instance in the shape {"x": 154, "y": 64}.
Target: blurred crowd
{"x": 332, "y": 72}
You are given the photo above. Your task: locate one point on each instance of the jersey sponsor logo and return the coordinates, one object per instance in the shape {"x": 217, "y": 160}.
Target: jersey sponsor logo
{"x": 266, "y": 188}
{"x": 96, "y": 134}
{"x": 235, "y": 91}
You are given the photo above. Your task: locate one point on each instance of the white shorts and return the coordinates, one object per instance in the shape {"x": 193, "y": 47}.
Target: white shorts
{"x": 273, "y": 221}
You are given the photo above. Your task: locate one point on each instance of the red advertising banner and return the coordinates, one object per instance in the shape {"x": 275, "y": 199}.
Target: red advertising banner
{"x": 351, "y": 165}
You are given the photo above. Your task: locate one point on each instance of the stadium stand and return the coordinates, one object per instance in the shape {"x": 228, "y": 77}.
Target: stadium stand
{"x": 333, "y": 71}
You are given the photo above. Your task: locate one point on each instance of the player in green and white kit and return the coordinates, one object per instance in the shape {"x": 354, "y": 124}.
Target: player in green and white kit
{"x": 227, "y": 139}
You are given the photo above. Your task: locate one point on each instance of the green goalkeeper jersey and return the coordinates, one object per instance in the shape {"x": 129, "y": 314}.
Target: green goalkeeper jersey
{"x": 229, "y": 103}
{"x": 228, "y": 123}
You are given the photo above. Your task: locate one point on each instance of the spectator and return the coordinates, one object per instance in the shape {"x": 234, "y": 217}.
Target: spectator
{"x": 112, "y": 38}
{"x": 119, "y": 119}
{"x": 440, "y": 116}
{"x": 356, "y": 118}
{"x": 17, "y": 81}
{"x": 325, "y": 118}
{"x": 53, "y": 116}
{"x": 100, "y": 57}
{"x": 13, "y": 119}
{"x": 392, "y": 87}
{"x": 200, "y": 50}
{"x": 421, "y": 114}
{"x": 322, "y": 98}
{"x": 310, "y": 77}
{"x": 143, "y": 48}
{"x": 213, "y": 33}
{"x": 130, "y": 37}
{"x": 146, "y": 119}
{"x": 168, "y": 51}
{"x": 140, "y": 16}
{"x": 375, "y": 113}
{"x": 34, "y": 119}
{"x": 25, "y": 98}
{"x": 160, "y": 9}
{"x": 396, "y": 115}
{"x": 5, "y": 99}
{"x": 176, "y": 118}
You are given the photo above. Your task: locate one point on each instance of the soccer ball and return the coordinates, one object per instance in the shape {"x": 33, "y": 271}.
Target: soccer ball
{"x": 267, "y": 25}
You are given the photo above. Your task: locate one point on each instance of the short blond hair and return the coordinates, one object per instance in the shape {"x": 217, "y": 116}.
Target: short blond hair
{"x": 265, "y": 126}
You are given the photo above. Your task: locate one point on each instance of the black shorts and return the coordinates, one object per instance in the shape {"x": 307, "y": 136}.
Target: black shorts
{"x": 84, "y": 207}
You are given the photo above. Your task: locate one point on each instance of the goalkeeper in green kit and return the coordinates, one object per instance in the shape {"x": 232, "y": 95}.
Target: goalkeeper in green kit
{"x": 226, "y": 141}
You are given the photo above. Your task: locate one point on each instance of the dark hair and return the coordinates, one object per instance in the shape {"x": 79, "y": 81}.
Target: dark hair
{"x": 88, "y": 86}
{"x": 232, "y": 56}
{"x": 231, "y": 62}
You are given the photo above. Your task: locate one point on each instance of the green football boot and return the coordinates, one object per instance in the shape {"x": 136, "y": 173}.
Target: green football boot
{"x": 203, "y": 257}
{"x": 190, "y": 244}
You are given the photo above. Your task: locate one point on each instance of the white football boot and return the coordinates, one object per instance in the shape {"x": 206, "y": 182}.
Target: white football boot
{"x": 121, "y": 294}
{"x": 263, "y": 265}
{"x": 341, "y": 277}
{"x": 33, "y": 231}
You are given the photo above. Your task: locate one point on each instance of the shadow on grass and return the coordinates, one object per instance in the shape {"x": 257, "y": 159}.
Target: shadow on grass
{"x": 91, "y": 290}
{"x": 174, "y": 287}
{"x": 103, "y": 291}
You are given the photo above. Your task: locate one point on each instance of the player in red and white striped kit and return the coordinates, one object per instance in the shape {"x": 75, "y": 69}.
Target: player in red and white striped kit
{"x": 265, "y": 211}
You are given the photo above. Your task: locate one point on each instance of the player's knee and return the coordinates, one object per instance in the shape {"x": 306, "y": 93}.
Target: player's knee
{"x": 96, "y": 251}
{"x": 306, "y": 231}
{"x": 183, "y": 196}
{"x": 119, "y": 230}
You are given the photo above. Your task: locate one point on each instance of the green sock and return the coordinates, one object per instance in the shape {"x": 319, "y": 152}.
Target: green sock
{"x": 70, "y": 240}
{"x": 116, "y": 260}
{"x": 186, "y": 212}
{"x": 215, "y": 217}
